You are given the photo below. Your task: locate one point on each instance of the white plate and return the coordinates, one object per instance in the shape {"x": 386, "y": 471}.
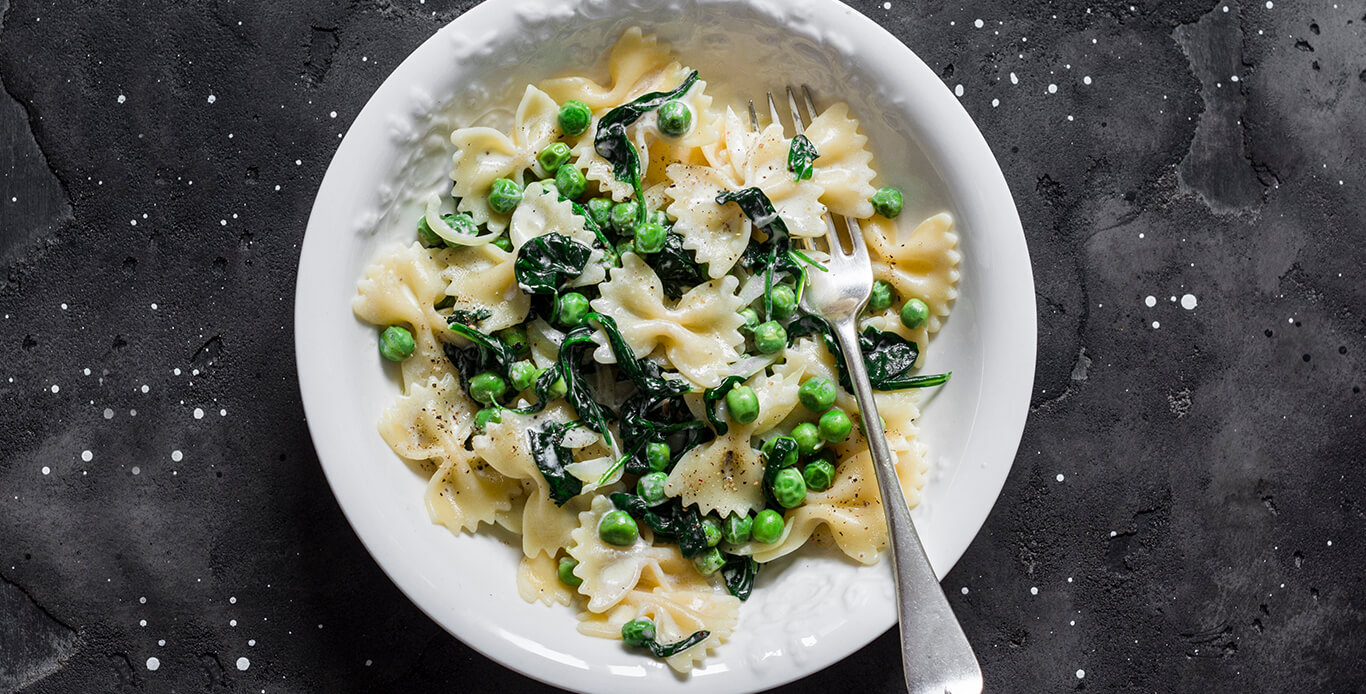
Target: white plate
{"x": 808, "y": 612}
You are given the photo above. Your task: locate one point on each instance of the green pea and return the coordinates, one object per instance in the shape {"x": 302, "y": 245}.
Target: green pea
{"x": 784, "y": 302}
{"x": 650, "y": 238}
{"x": 768, "y": 526}
{"x": 487, "y": 387}
{"x": 571, "y": 182}
{"x": 427, "y": 236}
{"x": 819, "y": 475}
{"x": 515, "y": 338}
{"x": 624, "y": 217}
{"x": 658, "y": 217}
{"x": 709, "y": 562}
{"x": 553, "y": 156}
{"x": 638, "y": 632}
{"x": 618, "y": 528}
{"x": 770, "y": 337}
{"x": 743, "y": 404}
{"x": 789, "y": 458}
{"x": 566, "y": 572}
{"x": 657, "y": 455}
{"x": 789, "y": 488}
{"x": 504, "y": 195}
{"x": 711, "y": 528}
{"x": 736, "y": 528}
{"x": 808, "y": 438}
{"x": 651, "y": 488}
{"x": 570, "y": 308}
{"x": 523, "y": 375}
{"x": 751, "y": 318}
{"x": 887, "y": 202}
{"x": 914, "y": 313}
{"x": 835, "y": 426}
{"x": 600, "y": 209}
{"x": 881, "y": 298}
{"x": 817, "y": 394}
{"x": 396, "y": 343}
{"x": 674, "y": 118}
{"x": 486, "y": 415}
{"x": 575, "y": 117}
{"x": 503, "y": 242}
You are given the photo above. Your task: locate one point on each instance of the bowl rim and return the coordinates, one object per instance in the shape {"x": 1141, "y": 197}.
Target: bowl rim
{"x": 968, "y": 149}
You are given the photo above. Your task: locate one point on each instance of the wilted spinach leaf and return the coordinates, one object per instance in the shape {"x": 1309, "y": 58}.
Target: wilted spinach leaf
{"x": 610, "y": 140}
{"x": 639, "y": 371}
{"x": 488, "y": 353}
{"x": 739, "y": 572}
{"x": 801, "y": 156}
{"x": 468, "y": 316}
{"x": 647, "y": 419}
{"x": 551, "y": 459}
{"x": 676, "y": 266}
{"x": 774, "y": 254}
{"x": 547, "y": 263}
{"x": 670, "y": 521}
{"x": 593, "y": 413}
{"x": 889, "y": 357}
{"x": 665, "y": 650}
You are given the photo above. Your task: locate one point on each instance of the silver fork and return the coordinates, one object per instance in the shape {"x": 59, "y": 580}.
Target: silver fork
{"x": 935, "y": 654}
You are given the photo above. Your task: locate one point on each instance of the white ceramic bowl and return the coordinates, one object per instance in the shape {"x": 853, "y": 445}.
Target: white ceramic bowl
{"x": 807, "y": 612}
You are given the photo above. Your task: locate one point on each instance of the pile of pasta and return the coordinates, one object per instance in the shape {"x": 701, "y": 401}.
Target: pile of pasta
{"x": 482, "y": 476}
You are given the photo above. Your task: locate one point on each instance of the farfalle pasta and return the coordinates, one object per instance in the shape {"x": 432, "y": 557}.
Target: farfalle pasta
{"x": 602, "y": 347}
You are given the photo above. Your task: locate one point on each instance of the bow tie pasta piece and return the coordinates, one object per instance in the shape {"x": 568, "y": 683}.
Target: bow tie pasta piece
{"x": 482, "y": 277}
{"x": 719, "y": 233}
{"x": 430, "y": 422}
{"x": 537, "y": 580}
{"x": 638, "y": 64}
{"x": 923, "y": 265}
{"x": 609, "y": 572}
{"x": 726, "y": 474}
{"x": 699, "y": 335}
{"x": 844, "y": 170}
{"x": 677, "y": 613}
{"x": 542, "y": 212}
{"x": 485, "y": 154}
{"x": 546, "y": 527}
{"x": 402, "y": 287}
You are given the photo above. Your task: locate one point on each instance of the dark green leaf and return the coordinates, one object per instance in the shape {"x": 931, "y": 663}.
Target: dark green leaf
{"x": 647, "y": 419}
{"x": 639, "y": 371}
{"x": 739, "y": 572}
{"x": 676, "y": 266}
{"x": 593, "y": 413}
{"x": 889, "y": 357}
{"x": 665, "y": 650}
{"x": 546, "y": 264}
{"x": 670, "y": 521}
{"x": 468, "y": 316}
{"x": 713, "y": 395}
{"x": 488, "y": 353}
{"x": 801, "y": 156}
{"x": 783, "y": 447}
{"x": 552, "y": 458}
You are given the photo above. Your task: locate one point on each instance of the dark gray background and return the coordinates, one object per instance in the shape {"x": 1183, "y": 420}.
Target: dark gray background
{"x": 1184, "y": 514}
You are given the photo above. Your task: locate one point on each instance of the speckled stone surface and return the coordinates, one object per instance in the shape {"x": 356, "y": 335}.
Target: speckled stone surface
{"x": 1185, "y": 513}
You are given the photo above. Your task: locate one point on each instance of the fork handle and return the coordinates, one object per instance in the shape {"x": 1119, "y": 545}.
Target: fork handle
{"x": 935, "y": 653}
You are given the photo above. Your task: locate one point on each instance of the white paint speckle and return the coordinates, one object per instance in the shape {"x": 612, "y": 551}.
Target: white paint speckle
{"x": 153, "y": 664}
{"x": 87, "y": 456}
{"x": 1150, "y": 301}
{"x": 137, "y": 470}
{"x": 47, "y": 470}
{"x": 886, "y": 5}
{"x": 1156, "y": 325}
{"x": 1188, "y": 302}
{"x": 1014, "y": 79}
{"x": 145, "y": 388}
{"x": 222, "y": 412}
{"x": 142, "y": 622}
{"x": 177, "y": 456}
{"x": 142, "y": 600}
{"x": 232, "y": 622}
{"x": 122, "y": 98}
{"x": 251, "y": 642}
{"x": 298, "y": 162}
{"x": 1052, "y": 89}
{"x": 958, "y": 90}
{"x": 1082, "y": 673}
{"x": 979, "y": 23}
{"x": 1086, "y": 79}
{"x": 1033, "y": 590}
{"x": 212, "y": 98}
{"x": 1060, "y": 477}
{"x": 1113, "y": 533}
{"x": 161, "y": 642}
{"x": 1269, "y": 4}
{"x": 243, "y": 663}
{"x": 232, "y": 600}
{"x": 198, "y": 413}
{"x": 995, "y": 103}
{"x": 108, "y": 413}
{"x": 56, "y": 388}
